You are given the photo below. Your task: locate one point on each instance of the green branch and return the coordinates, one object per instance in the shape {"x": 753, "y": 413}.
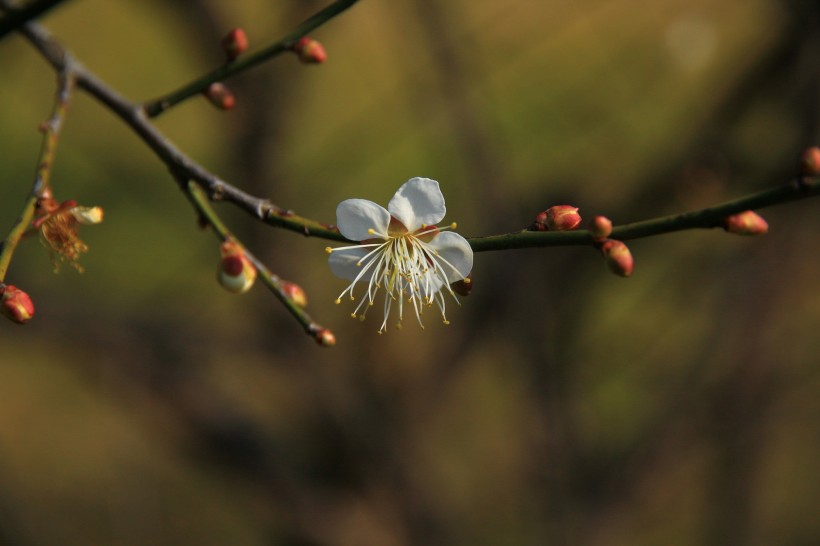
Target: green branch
{"x": 156, "y": 107}
{"x": 200, "y": 201}
{"x": 709, "y": 217}
{"x": 41, "y": 180}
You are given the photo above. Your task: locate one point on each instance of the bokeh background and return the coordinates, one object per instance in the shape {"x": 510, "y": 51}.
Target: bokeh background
{"x": 563, "y": 405}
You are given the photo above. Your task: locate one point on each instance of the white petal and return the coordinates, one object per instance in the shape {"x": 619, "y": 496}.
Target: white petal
{"x": 343, "y": 262}
{"x": 419, "y": 201}
{"x": 455, "y": 249}
{"x": 355, "y": 217}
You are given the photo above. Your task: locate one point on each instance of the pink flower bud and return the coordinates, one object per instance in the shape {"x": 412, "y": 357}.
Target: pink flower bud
{"x": 310, "y": 51}
{"x": 235, "y": 43}
{"x": 324, "y": 337}
{"x": 600, "y": 228}
{"x": 16, "y": 304}
{"x": 557, "y": 218}
{"x": 810, "y": 162}
{"x": 464, "y": 286}
{"x": 236, "y": 273}
{"x": 618, "y": 258}
{"x": 746, "y": 223}
{"x": 295, "y": 293}
{"x": 220, "y": 96}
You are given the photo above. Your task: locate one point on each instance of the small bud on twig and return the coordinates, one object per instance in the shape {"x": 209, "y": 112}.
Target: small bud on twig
{"x": 746, "y": 223}
{"x": 810, "y": 161}
{"x": 235, "y": 43}
{"x": 295, "y": 293}
{"x": 600, "y": 227}
{"x": 324, "y": 337}
{"x": 236, "y": 273}
{"x": 15, "y": 304}
{"x": 220, "y": 96}
{"x": 618, "y": 258}
{"x": 310, "y": 51}
{"x": 557, "y": 218}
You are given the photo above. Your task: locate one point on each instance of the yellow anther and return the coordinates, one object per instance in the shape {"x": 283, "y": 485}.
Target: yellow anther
{"x": 361, "y": 318}
{"x": 328, "y": 249}
{"x": 352, "y": 315}
{"x": 338, "y": 301}
{"x": 468, "y": 280}
{"x": 371, "y": 231}
{"x": 453, "y": 225}
{"x": 446, "y": 321}
{"x": 398, "y": 326}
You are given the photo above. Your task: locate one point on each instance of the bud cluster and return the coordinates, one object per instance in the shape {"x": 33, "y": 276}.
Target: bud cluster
{"x": 234, "y": 44}
{"x": 220, "y": 96}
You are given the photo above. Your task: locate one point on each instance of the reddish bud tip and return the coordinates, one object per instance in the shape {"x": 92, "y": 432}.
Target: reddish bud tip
{"x": 810, "y": 161}
{"x": 16, "y": 305}
{"x": 235, "y": 43}
{"x": 464, "y": 286}
{"x": 557, "y": 218}
{"x": 310, "y": 51}
{"x": 600, "y": 227}
{"x": 220, "y": 96}
{"x": 324, "y": 337}
{"x": 235, "y": 273}
{"x": 618, "y": 258}
{"x": 295, "y": 293}
{"x": 746, "y": 223}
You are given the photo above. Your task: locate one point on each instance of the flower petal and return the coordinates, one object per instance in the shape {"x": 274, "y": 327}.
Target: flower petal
{"x": 455, "y": 249}
{"x": 355, "y": 217}
{"x": 419, "y": 201}
{"x": 342, "y": 262}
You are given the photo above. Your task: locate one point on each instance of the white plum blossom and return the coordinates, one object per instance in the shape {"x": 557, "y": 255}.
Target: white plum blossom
{"x": 401, "y": 251}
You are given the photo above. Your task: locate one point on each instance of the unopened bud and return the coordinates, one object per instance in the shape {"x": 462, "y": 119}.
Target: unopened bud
{"x": 618, "y": 258}
{"x": 324, "y": 337}
{"x": 235, "y": 43}
{"x": 810, "y": 162}
{"x": 295, "y": 293}
{"x": 600, "y": 228}
{"x": 16, "y": 304}
{"x": 746, "y": 223}
{"x": 220, "y": 96}
{"x": 557, "y": 218}
{"x": 464, "y": 286}
{"x": 310, "y": 51}
{"x": 87, "y": 215}
{"x": 236, "y": 273}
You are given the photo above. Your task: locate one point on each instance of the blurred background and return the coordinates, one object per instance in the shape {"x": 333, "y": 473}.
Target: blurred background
{"x": 563, "y": 405}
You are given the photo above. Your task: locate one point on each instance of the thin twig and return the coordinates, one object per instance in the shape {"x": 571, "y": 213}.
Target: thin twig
{"x": 154, "y": 108}
{"x": 709, "y": 217}
{"x": 15, "y": 18}
{"x": 51, "y": 134}
{"x": 200, "y": 201}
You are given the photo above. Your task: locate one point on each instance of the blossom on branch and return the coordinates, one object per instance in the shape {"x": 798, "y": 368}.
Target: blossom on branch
{"x": 59, "y": 225}
{"x": 401, "y": 251}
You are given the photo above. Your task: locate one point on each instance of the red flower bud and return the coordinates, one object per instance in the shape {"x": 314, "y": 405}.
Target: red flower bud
{"x": 600, "y": 228}
{"x": 746, "y": 223}
{"x": 220, "y": 96}
{"x": 16, "y": 304}
{"x": 557, "y": 218}
{"x": 310, "y": 51}
{"x": 295, "y": 293}
{"x": 324, "y": 337}
{"x": 810, "y": 162}
{"x": 235, "y": 43}
{"x": 618, "y": 258}
{"x": 236, "y": 273}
